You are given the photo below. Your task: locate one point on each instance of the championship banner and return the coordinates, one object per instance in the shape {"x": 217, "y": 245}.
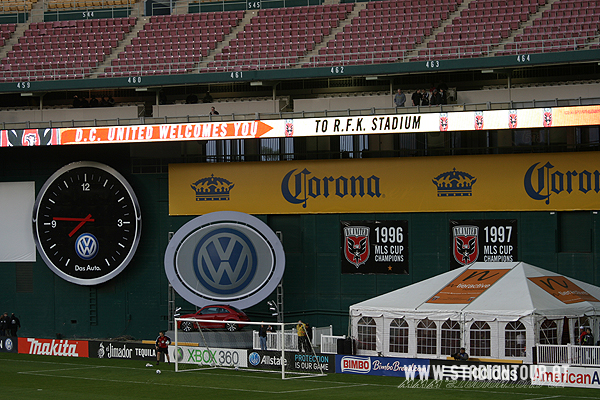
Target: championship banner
{"x": 488, "y": 240}
{"x": 467, "y": 286}
{"x": 511, "y": 182}
{"x": 374, "y": 247}
{"x": 304, "y": 127}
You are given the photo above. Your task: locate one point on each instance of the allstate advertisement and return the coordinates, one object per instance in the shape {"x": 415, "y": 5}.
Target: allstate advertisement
{"x": 298, "y": 362}
{"x": 8, "y": 345}
{"x": 385, "y": 366}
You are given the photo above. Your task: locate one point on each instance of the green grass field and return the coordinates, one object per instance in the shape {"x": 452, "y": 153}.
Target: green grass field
{"x": 64, "y": 378}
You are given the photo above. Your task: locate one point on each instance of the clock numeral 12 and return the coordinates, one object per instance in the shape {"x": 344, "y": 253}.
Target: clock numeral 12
{"x": 85, "y": 187}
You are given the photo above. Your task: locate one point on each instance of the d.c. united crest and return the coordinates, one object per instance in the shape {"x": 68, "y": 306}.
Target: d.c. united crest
{"x": 512, "y": 119}
{"x": 356, "y": 244}
{"x": 466, "y": 244}
{"x": 547, "y": 117}
{"x": 478, "y": 120}
{"x": 443, "y": 121}
{"x": 289, "y": 127}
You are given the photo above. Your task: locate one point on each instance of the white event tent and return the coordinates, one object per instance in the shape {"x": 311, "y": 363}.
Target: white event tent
{"x": 494, "y": 310}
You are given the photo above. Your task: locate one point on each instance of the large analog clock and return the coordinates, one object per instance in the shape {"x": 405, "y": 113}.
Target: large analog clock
{"x": 86, "y": 223}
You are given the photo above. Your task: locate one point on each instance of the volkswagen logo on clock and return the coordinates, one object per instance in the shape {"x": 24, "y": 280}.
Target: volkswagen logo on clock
{"x": 86, "y": 223}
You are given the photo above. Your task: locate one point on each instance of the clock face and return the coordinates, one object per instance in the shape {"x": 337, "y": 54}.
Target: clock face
{"x": 86, "y": 223}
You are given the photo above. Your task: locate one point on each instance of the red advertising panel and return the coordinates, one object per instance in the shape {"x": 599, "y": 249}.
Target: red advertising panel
{"x": 54, "y": 347}
{"x": 468, "y": 286}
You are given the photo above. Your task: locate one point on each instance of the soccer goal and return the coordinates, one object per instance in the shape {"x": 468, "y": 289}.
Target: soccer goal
{"x": 210, "y": 344}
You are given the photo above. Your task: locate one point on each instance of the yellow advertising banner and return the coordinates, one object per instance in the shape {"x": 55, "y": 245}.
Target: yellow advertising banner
{"x": 563, "y": 289}
{"x": 516, "y": 182}
{"x": 467, "y": 286}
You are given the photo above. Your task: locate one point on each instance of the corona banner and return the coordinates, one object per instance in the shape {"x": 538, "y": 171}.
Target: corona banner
{"x": 304, "y": 127}
{"x": 515, "y": 182}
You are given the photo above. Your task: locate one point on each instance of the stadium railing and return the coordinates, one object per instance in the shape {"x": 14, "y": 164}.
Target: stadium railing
{"x": 329, "y": 343}
{"x": 304, "y": 114}
{"x": 568, "y": 354}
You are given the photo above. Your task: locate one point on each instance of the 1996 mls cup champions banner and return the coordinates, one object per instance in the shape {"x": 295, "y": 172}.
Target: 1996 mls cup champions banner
{"x": 374, "y": 247}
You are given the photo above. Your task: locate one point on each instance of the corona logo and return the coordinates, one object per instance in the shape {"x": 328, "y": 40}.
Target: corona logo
{"x": 212, "y": 189}
{"x": 298, "y": 187}
{"x": 454, "y": 184}
{"x": 543, "y": 181}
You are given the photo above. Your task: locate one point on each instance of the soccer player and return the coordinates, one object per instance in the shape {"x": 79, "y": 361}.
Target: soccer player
{"x": 162, "y": 346}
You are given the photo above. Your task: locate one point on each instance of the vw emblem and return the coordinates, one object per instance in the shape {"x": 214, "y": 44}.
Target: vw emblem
{"x": 86, "y": 246}
{"x": 8, "y": 344}
{"x": 225, "y": 260}
{"x": 225, "y": 257}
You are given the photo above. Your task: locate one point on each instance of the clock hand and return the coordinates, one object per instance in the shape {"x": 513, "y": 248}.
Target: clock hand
{"x": 82, "y": 221}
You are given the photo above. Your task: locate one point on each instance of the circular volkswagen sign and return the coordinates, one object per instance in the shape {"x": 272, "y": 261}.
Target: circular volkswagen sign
{"x": 225, "y": 257}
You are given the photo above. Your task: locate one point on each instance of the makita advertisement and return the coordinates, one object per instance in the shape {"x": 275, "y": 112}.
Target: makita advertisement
{"x": 8, "y": 345}
{"x": 128, "y": 351}
{"x": 299, "y": 362}
{"x": 53, "y": 347}
{"x": 385, "y": 366}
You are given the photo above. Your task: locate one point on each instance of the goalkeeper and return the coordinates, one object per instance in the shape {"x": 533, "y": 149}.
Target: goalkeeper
{"x": 162, "y": 346}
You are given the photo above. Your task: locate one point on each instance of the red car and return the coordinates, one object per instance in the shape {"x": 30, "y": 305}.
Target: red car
{"x": 214, "y": 312}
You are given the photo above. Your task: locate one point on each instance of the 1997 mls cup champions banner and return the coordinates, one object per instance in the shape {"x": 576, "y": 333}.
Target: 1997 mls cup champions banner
{"x": 374, "y": 247}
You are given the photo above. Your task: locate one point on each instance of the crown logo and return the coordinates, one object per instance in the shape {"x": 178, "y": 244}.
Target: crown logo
{"x": 212, "y": 188}
{"x": 454, "y": 184}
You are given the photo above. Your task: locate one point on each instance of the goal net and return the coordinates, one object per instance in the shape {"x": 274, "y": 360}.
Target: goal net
{"x": 209, "y": 344}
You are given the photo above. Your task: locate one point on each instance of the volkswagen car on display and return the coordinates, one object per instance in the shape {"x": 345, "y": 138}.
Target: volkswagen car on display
{"x": 217, "y": 313}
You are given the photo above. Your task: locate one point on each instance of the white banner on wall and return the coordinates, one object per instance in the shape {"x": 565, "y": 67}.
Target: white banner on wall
{"x": 16, "y": 235}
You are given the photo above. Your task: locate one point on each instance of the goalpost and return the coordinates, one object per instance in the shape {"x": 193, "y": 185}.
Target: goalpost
{"x": 211, "y": 344}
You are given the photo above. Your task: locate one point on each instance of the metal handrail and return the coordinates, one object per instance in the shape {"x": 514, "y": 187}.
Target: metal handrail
{"x": 302, "y": 114}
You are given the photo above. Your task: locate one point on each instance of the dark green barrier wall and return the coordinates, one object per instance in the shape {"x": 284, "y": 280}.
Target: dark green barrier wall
{"x": 135, "y": 302}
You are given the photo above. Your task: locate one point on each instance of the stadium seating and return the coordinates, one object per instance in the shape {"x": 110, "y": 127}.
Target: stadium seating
{"x": 6, "y": 31}
{"x": 568, "y": 25}
{"x": 293, "y": 37}
{"x": 63, "y": 49}
{"x": 385, "y": 31}
{"x": 277, "y": 38}
{"x": 173, "y": 44}
{"x": 86, "y": 4}
{"x": 16, "y": 6}
{"x": 479, "y": 29}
